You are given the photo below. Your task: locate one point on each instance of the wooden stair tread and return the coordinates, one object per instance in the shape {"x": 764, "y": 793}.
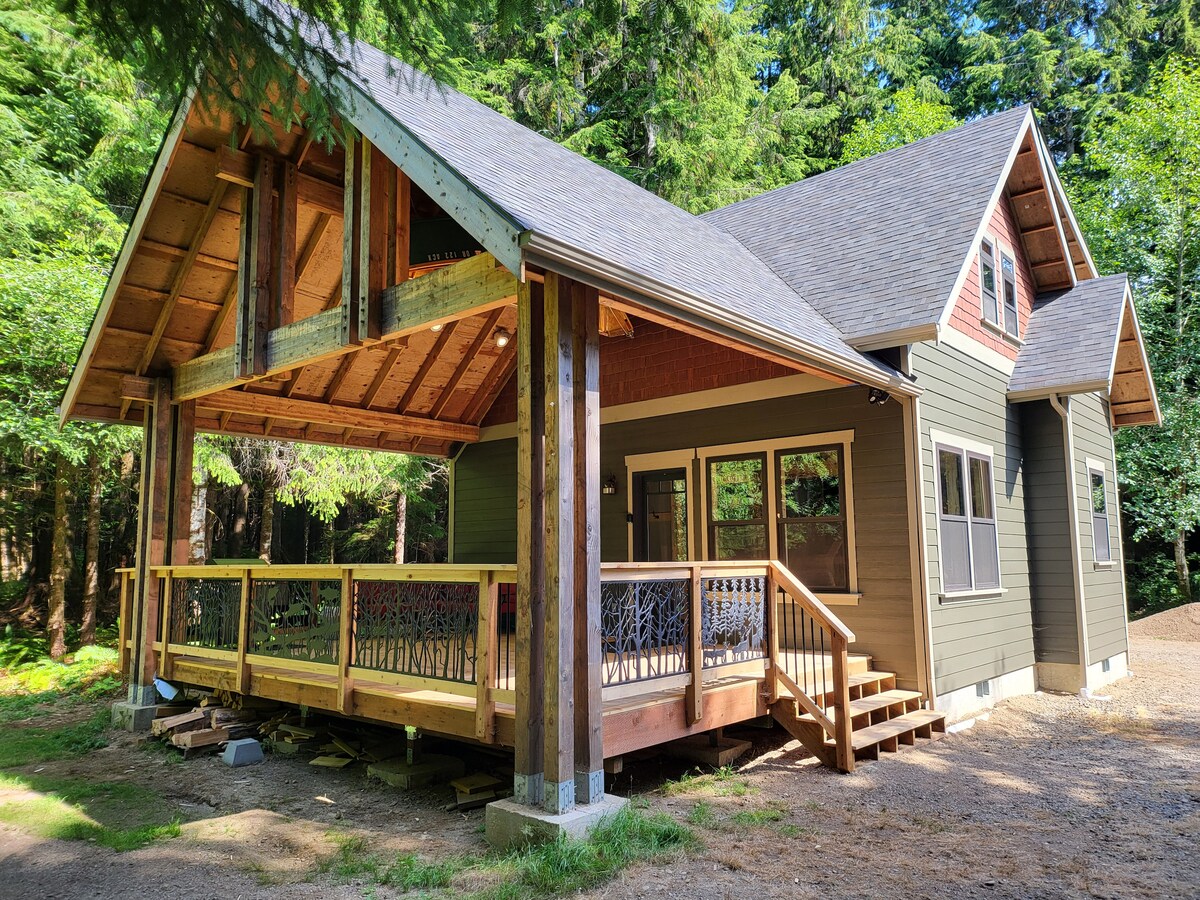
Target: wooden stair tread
{"x": 871, "y": 703}
{"x": 869, "y": 677}
{"x": 881, "y": 731}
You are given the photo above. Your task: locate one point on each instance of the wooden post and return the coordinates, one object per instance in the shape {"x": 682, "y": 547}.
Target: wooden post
{"x": 153, "y": 510}
{"x": 285, "y": 249}
{"x": 254, "y": 272}
{"x": 346, "y": 644}
{"x": 841, "y": 687}
{"x": 126, "y": 610}
{"x": 560, "y": 547}
{"x": 164, "y": 658}
{"x": 589, "y": 654}
{"x": 364, "y": 240}
{"x": 771, "y": 589}
{"x": 181, "y": 482}
{"x": 530, "y": 629}
{"x": 243, "y": 668}
{"x": 402, "y": 229}
{"x": 694, "y": 694}
{"x": 485, "y": 657}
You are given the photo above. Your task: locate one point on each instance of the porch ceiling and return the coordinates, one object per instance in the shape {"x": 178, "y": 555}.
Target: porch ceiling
{"x": 175, "y": 299}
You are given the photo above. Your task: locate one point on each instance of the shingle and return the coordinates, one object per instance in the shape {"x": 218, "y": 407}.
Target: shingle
{"x": 1071, "y": 336}
{"x": 547, "y": 189}
{"x": 876, "y": 245}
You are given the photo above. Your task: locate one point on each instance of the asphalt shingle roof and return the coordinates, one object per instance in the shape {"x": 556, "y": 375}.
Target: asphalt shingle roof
{"x": 550, "y": 190}
{"x": 1071, "y": 337}
{"x": 877, "y": 245}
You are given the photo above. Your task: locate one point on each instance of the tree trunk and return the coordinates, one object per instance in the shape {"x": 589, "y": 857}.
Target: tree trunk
{"x": 56, "y": 620}
{"x": 198, "y": 527}
{"x": 240, "y": 517}
{"x": 266, "y": 529}
{"x": 1183, "y": 574}
{"x": 91, "y": 552}
{"x": 327, "y": 537}
{"x": 401, "y": 526}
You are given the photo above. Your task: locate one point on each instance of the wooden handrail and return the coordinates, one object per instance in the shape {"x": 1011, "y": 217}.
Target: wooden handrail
{"x": 794, "y": 588}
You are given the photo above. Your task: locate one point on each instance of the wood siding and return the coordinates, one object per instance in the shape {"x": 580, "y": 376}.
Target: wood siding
{"x": 485, "y": 516}
{"x": 967, "y": 314}
{"x": 976, "y": 639}
{"x": 1055, "y": 617}
{"x": 1103, "y": 588}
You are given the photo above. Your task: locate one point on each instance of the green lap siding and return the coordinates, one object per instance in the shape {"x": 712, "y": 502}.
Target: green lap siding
{"x": 976, "y": 639}
{"x": 485, "y": 498}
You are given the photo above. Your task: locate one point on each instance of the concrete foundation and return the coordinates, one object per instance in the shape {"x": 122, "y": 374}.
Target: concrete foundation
{"x": 508, "y": 823}
{"x": 133, "y": 716}
{"x": 432, "y": 769}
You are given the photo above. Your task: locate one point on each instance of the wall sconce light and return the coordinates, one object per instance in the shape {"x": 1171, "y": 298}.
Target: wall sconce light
{"x": 436, "y": 328}
{"x": 610, "y": 485}
{"x": 502, "y": 336}
{"x": 876, "y": 397}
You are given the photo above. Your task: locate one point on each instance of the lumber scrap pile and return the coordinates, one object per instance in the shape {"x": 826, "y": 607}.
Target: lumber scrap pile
{"x": 213, "y": 722}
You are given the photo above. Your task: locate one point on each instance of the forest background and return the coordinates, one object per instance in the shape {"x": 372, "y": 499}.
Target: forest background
{"x": 702, "y": 101}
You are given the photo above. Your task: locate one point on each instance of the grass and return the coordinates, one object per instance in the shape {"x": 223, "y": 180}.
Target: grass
{"x": 23, "y": 746}
{"x": 69, "y": 810}
{"x": 722, "y": 782}
{"x": 565, "y": 866}
{"x": 755, "y": 818}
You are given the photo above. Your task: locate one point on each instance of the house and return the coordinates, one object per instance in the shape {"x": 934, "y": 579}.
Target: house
{"x": 840, "y": 454}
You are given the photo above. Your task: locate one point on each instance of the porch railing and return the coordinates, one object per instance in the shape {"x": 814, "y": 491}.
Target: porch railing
{"x": 450, "y": 628}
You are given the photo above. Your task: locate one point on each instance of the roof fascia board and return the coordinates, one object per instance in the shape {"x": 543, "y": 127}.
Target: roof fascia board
{"x": 1045, "y": 393}
{"x": 668, "y": 300}
{"x": 1046, "y": 165}
{"x": 913, "y": 334}
{"x": 985, "y": 220}
{"x": 133, "y": 235}
{"x": 1060, "y": 196}
{"x": 1129, "y": 308}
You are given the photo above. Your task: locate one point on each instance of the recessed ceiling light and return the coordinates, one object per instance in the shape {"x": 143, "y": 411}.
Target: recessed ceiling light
{"x": 502, "y": 337}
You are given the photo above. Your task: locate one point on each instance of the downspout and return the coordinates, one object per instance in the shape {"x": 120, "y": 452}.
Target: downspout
{"x": 1064, "y": 413}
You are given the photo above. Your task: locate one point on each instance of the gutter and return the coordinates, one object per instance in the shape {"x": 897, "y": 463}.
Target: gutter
{"x": 1064, "y": 413}
{"x": 661, "y": 297}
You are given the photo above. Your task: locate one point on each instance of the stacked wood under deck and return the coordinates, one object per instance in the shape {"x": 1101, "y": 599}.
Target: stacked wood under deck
{"x": 400, "y": 645}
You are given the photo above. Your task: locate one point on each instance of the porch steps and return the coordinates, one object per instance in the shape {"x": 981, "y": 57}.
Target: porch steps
{"x": 882, "y": 718}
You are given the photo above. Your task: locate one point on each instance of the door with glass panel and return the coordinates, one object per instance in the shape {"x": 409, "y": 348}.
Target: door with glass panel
{"x": 811, "y": 516}
{"x": 660, "y": 516}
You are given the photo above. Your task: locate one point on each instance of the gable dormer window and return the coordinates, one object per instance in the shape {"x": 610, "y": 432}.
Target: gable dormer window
{"x": 987, "y": 282}
{"x": 1008, "y": 280}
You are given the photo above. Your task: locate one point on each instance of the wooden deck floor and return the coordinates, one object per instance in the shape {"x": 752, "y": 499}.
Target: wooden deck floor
{"x": 638, "y": 715}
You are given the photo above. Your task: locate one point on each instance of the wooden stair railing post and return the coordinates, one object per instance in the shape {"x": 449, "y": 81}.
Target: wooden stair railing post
{"x": 164, "y": 659}
{"x": 694, "y": 704}
{"x": 841, "y": 687}
{"x": 771, "y": 592}
{"x": 345, "y": 697}
{"x": 485, "y": 657}
{"x": 243, "y": 668}
{"x": 125, "y": 608}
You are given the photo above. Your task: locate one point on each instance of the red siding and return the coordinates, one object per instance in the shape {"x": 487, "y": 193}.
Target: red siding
{"x": 967, "y": 314}
{"x": 657, "y": 362}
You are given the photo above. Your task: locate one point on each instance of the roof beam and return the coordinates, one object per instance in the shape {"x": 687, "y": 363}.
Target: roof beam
{"x": 431, "y": 360}
{"x": 170, "y": 251}
{"x": 237, "y": 167}
{"x": 470, "y": 287}
{"x": 468, "y": 358}
{"x": 308, "y": 411}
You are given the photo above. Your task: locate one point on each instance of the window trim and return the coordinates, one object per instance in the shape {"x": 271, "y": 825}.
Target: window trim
{"x": 1007, "y": 255}
{"x": 649, "y": 462}
{"x": 993, "y": 248}
{"x": 965, "y": 448}
{"x": 1095, "y": 467}
{"x": 773, "y": 445}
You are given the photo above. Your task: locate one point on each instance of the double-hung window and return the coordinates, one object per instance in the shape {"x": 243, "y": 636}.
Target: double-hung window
{"x": 969, "y": 543}
{"x": 1101, "y": 544}
{"x": 737, "y": 504}
{"x": 812, "y": 516}
{"x": 987, "y": 282}
{"x": 1008, "y": 280}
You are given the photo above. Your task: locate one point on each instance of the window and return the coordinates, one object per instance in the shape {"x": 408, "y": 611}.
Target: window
{"x": 970, "y": 552}
{"x": 1008, "y": 278}
{"x": 987, "y": 282}
{"x": 737, "y": 509}
{"x": 1101, "y": 546}
{"x": 812, "y": 516}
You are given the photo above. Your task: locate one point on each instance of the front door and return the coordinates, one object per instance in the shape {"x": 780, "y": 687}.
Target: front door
{"x": 660, "y": 516}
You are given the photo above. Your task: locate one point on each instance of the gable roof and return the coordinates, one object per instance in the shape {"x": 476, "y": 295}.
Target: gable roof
{"x": 899, "y": 224}
{"x": 1088, "y": 339}
{"x": 574, "y": 214}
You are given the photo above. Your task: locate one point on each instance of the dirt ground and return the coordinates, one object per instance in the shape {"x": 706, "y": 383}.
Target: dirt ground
{"x": 1051, "y": 797}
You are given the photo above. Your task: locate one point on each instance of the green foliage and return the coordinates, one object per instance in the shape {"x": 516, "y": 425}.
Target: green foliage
{"x": 908, "y": 118}
{"x": 23, "y": 746}
{"x": 404, "y": 871}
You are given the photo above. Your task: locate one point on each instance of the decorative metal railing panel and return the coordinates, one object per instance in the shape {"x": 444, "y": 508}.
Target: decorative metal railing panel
{"x": 732, "y": 619}
{"x": 505, "y": 636}
{"x": 644, "y": 629}
{"x": 204, "y": 612}
{"x": 293, "y": 618}
{"x": 417, "y": 628}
